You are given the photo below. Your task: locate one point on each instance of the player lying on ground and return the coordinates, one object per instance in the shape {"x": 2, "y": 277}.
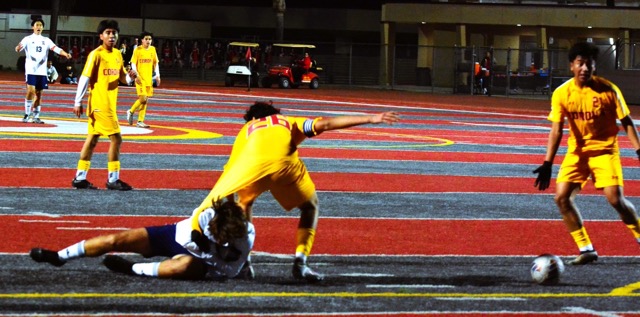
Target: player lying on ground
{"x": 219, "y": 250}
{"x": 264, "y": 157}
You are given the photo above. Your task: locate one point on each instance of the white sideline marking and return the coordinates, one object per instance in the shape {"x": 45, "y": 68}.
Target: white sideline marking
{"x": 582, "y": 310}
{"x": 91, "y": 228}
{"x": 408, "y": 286}
{"x": 366, "y": 274}
{"x": 497, "y": 125}
{"x": 55, "y": 221}
{"x": 43, "y": 214}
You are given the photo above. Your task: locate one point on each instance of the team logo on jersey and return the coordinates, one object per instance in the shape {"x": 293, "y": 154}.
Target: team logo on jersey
{"x": 110, "y": 72}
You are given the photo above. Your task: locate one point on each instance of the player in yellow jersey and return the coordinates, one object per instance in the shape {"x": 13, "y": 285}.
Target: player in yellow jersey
{"x": 145, "y": 62}
{"x": 264, "y": 157}
{"x": 102, "y": 71}
{"x": 592, "y": 105}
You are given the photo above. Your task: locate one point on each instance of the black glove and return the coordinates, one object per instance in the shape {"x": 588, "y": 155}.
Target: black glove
{"x": 200, "y": 240}
{"x": 638, "y": 153}
{"x": 544, "y": 176}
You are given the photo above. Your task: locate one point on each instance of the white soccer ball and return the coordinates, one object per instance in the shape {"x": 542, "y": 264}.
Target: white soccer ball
{"x": 546, "y": 269}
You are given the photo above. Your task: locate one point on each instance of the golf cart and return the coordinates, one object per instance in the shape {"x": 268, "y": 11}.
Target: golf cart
{"x": 291, "y": 66}
{"x": 242, "y": 67}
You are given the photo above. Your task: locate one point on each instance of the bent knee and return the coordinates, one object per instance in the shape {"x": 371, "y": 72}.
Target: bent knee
{"x": 563, "y": 201}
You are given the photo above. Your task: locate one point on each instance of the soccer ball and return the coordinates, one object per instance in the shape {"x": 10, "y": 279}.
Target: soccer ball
{"x": 546, "y": 269}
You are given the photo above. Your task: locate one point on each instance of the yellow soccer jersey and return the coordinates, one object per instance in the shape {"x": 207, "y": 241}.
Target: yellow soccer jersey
{"x": 591, "y": 111}
{"x": 262, "y": 147}
{"x": 145, "y": 61}
{"x": 105, "y": 69}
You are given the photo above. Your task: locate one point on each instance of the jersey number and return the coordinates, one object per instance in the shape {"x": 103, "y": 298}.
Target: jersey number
{"x": 38, "y": 49}
{"x": 271, "y": 121}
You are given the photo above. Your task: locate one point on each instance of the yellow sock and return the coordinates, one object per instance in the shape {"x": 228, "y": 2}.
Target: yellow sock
{"x": 114, "y": 171}
{"x": 581, "y": 238}
{"x": 635, "y": 230}
{"x": 142, "y": 113}
{"x": 135, "y": 106}
{"x": 304, "y": 239}
{"x": 83, "y": 169}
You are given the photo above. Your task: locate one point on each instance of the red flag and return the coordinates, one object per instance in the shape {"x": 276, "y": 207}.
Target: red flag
{"x": 248, "y": 55}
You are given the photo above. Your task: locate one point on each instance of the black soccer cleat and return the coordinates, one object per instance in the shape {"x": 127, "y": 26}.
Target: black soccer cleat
{"x": 246, "y": 272}
{"x": 48, "y": 256}
{"x": 301, "y": 271}
{"x": 82, "y": 184}
{"x": 118, "y": 264}
{"x": 118, "y": 185}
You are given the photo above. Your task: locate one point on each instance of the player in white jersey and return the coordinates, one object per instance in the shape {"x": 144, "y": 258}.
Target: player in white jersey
{"x": 36, "y": 48}
{"x": 219, "y": 251}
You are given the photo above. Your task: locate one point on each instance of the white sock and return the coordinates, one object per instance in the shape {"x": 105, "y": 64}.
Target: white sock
{"x": 72, "y": 252}
{"x": 146, "y": 269}
{"x": 300, "y": 255}
{"x": 36, "y": 112}
{"x": 588, "y": 248}
{"x": 114, "y": 176}
{"x": 27, "y": 106}
{"x": 81, "y": 175}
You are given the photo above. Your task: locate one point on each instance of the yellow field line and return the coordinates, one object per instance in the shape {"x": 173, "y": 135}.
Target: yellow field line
{"x": 317, "y": 295}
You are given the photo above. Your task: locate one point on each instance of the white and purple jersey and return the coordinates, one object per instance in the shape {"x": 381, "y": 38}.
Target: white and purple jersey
{"x": 218, "y": 266}
{"x": 36, "y": 48}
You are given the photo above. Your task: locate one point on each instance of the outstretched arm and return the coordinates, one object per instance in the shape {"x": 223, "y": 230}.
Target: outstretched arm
{"x": 326, "y": 124}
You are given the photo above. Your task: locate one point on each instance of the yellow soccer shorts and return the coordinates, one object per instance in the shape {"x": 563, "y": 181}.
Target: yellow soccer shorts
{"x": 102, "y": 123}
{"x": 604, "y": 168}
{"x": 143, "y": 90}
{"x": 290, "y": 186}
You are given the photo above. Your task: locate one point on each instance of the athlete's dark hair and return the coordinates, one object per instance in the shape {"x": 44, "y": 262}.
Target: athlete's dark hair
{"x": 229, "y": 222}
{"x": 260, "y": 109}
{"x": 108, "y": 24}
{"x": 145, "y": 33}
{"x": 33, "y": 22}
{"x": 584, "y": 49}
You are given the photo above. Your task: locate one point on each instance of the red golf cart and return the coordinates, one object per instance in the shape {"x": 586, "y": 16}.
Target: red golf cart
{"x": 292, "y": 66}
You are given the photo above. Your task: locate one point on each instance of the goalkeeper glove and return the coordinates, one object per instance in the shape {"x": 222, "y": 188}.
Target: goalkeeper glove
{"x": 544, "y": 175}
